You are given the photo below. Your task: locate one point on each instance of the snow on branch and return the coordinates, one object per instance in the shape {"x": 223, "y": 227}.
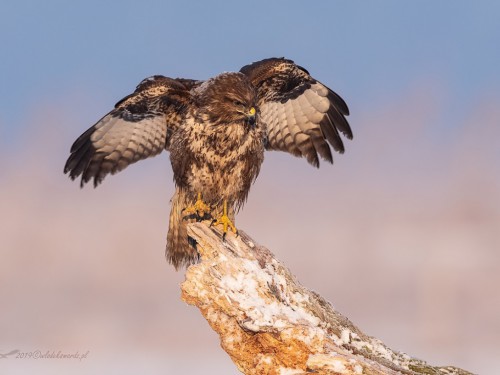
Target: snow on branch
{"x": 270, "y": 324}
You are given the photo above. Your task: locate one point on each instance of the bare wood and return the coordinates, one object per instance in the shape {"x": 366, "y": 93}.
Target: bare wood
{"x": 270, "y": 324}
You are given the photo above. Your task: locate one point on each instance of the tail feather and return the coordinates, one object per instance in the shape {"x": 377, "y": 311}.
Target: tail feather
{"x": 181, "y": 249}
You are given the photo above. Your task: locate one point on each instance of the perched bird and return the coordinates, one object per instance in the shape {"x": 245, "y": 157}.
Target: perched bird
{"x": 216, "y": 132}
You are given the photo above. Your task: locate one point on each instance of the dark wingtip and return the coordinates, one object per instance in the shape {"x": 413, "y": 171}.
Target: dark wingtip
{"x": 330, "y": 132}
{"x": 66, "y": 168}
{"x": 97, "y": 181}
{"x": 339, "y": 103}
{"x": 339, "y": 121}
{"x": 313, "y": 159}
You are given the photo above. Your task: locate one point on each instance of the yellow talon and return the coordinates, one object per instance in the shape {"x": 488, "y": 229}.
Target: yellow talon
{"x": 225, "y": 221}
{"x": 199, "y": 208}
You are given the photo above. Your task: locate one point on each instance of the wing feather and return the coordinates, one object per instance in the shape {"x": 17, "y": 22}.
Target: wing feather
{"x": 302, "y": 109}
{"x": 302, "y": 116}
{"x": 138, "y": 127}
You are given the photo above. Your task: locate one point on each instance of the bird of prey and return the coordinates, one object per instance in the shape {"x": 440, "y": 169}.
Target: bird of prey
{"x": 216, "y": 132}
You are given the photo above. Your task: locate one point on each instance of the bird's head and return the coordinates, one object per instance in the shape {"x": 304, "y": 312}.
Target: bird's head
{"x": 229, "y": 98}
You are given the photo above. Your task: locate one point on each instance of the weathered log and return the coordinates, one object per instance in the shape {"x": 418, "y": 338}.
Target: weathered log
{"x": 270, "y": 324}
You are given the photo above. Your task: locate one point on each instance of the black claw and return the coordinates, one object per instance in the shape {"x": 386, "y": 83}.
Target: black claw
{"x": 237, "y": 234}
{"x": 224, "y": 236}
{"x": 206, "y": 216}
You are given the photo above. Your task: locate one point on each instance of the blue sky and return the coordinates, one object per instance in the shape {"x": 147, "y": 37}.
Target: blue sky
{"x": 368, "y": 51}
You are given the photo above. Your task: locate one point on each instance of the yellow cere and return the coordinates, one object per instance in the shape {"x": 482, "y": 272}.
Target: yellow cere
{"x": 252, "y": 111}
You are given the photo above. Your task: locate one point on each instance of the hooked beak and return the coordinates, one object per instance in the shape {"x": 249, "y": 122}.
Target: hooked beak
{"x": 251, "y": 117}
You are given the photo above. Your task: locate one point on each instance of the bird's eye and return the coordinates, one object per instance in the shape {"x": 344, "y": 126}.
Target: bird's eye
{"x": 238, "y": 103}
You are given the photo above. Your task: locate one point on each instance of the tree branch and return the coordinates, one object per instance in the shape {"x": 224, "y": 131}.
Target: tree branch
{"x": 269, "y": 324}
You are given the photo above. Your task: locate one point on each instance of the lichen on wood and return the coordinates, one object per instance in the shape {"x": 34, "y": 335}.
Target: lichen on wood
{"x": 270, "y": 324}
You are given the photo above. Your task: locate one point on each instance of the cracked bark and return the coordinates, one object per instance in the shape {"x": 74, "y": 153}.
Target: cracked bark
{"x": 270, "y": 324}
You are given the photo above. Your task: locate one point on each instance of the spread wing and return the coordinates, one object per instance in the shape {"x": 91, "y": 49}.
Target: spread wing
{"x": 138, "y": 127}
{"x": 302, "y": 116}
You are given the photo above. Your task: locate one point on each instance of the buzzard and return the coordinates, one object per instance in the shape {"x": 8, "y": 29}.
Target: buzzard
{"x": 216, "y": 132}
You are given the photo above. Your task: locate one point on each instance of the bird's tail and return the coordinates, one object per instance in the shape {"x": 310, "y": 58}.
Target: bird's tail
{"x": 181, "y": 249}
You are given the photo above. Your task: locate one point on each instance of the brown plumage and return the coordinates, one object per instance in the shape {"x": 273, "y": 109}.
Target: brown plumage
{"x": 216, "y": 132}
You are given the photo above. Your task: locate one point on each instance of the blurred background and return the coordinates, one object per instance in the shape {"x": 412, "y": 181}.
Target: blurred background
{"x": 402, "y": 234}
